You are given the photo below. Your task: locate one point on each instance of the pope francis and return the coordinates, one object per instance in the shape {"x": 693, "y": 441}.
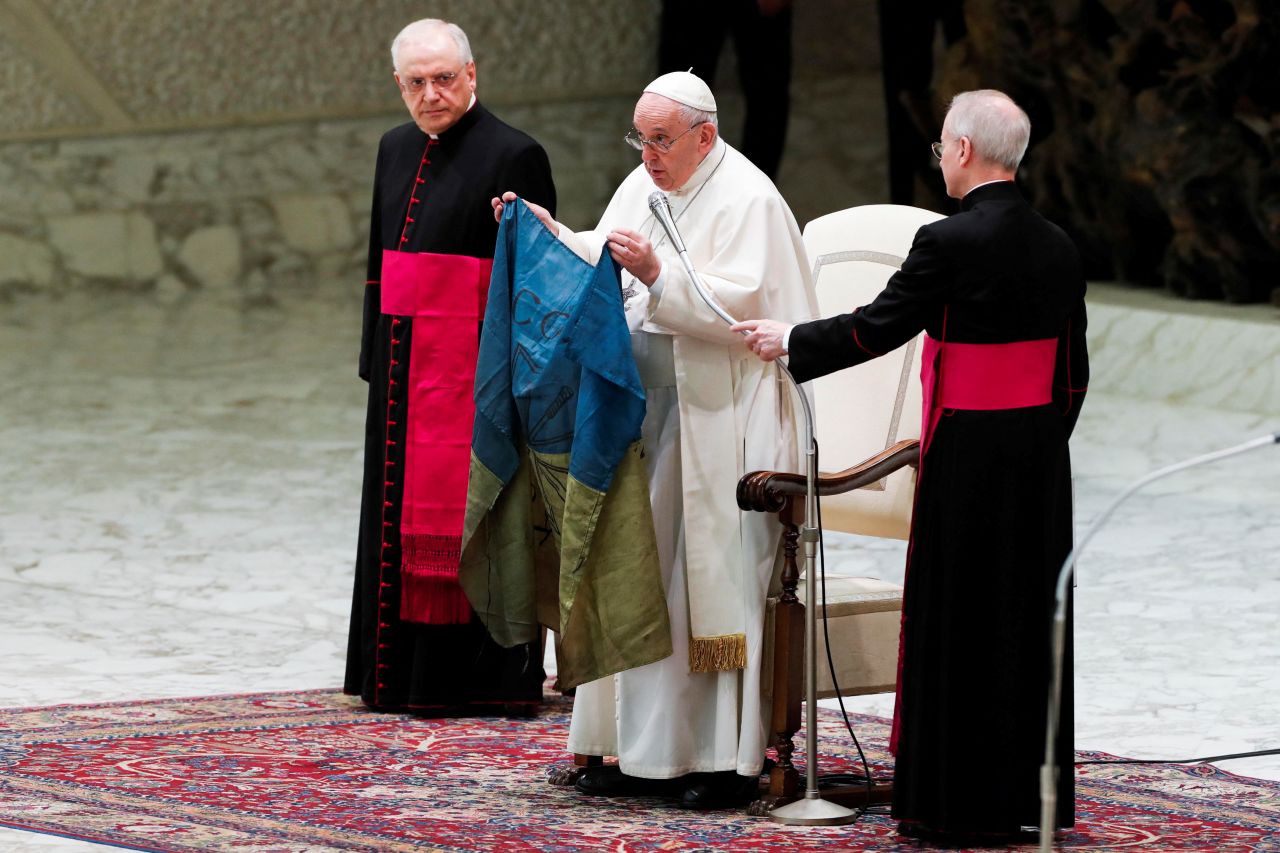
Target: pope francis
{"x": 692, "y": 726}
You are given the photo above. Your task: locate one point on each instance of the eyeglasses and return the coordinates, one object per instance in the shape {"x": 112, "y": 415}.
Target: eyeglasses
{"x": 658, "y": 143}
{"x": 939, "y": 147}
{"x": 415, "y": 85}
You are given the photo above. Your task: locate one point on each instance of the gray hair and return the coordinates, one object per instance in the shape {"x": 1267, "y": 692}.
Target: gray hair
{"x": 997, "y": 127}
{"x": 416, "y": 29}
{"x": 694, "y": 116}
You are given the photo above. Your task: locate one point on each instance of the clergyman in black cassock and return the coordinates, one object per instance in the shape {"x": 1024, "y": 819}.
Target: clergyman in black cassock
{"x": 1000, "y": 293}
{"x": 415, "y": 644}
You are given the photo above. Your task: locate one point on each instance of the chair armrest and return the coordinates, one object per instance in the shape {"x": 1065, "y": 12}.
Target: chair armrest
{"x": 768, "y": 491}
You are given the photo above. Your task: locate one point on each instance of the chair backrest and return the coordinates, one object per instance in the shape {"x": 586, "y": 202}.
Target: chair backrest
{"x": 863, "y": 411}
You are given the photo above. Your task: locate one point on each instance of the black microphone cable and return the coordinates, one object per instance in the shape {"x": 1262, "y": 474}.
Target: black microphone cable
{"x": 838, "y": 778}
{"x": 1205, "y": 760}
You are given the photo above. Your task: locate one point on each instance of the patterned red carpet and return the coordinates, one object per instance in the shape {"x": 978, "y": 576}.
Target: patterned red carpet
{"x": 313, "y": 772}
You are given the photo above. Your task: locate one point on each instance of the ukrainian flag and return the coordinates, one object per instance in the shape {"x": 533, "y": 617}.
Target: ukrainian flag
{"x": 559, "y": 530}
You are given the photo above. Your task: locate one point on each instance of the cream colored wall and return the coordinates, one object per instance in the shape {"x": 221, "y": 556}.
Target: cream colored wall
{"x": 171, "y": 146}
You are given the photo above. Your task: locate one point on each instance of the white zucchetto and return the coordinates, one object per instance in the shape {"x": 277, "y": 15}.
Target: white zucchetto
{"x": 685, "y": 88}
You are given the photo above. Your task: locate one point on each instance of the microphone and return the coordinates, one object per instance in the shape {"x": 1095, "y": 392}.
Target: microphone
{"x": 1049, "y": 769}
{"x": 661, "y": 208}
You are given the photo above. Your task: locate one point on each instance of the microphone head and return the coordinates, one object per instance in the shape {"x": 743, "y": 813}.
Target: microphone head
{"x": 658, "y": 201}
{"x": 661, "y": 208}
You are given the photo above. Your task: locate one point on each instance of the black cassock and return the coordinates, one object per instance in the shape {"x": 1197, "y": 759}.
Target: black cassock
{"x": 992, "y": 522}
{"x": 431, "y": 200}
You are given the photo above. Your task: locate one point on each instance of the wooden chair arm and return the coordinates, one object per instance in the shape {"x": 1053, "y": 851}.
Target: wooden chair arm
{"x": 768, "y": 491}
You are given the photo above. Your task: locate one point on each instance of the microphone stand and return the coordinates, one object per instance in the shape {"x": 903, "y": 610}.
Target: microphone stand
{"x": 812, "y": 810}
{"x": 1049, "y": 770}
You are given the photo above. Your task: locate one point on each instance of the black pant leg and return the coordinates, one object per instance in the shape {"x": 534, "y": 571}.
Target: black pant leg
{"x": 691, "y": 35}
{"x": 763, "y": 45}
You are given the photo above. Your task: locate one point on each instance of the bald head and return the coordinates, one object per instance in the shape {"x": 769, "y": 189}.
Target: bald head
{"x": 997, "y": 128}
{"x": 430, "y": 34}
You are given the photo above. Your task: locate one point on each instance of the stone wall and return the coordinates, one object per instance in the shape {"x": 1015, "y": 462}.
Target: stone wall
{"x": 234, "y": 211}
{"x": 166, "y": 147}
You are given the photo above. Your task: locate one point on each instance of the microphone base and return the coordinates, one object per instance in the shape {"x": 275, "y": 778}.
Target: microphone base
{"x": 813, "y": 811}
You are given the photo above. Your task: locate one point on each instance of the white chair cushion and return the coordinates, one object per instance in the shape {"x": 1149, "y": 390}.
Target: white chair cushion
{"x": 862, "y": 618}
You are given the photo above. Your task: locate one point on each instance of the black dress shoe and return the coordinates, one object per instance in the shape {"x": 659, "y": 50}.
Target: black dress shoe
{"x": 961, "y": 838}
{"x": 610, "y": 781}
{"x": 723, "y": 790}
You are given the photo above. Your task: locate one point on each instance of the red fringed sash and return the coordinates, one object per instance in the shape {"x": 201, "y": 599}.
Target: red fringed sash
{"x": 445, "y": 295}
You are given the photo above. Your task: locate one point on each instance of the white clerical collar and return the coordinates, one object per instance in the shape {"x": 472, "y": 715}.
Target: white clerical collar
{"x": 469, "y": 106}
{"x": 985, "y": 183}
{"x": 705, "y": 168}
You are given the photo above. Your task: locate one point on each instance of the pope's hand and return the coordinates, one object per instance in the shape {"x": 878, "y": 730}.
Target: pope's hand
{"x": 635, "y": 253}
{"x": 538, "y": 210}
{"x": 764, "y": 337}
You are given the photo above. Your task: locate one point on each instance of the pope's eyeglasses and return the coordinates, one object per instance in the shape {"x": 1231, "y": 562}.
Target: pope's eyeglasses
{"x": 657, "y": 143}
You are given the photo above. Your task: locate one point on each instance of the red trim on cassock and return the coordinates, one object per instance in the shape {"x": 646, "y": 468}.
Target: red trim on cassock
{"x": 858, "y": 341}
{"x": 1070, "y": 386}
{"x": 383, "y": 565}
{"x": 418, "y": 180}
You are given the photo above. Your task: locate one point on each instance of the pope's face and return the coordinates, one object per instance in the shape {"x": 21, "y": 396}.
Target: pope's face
{"x": 658, "y": 119}
{"x": 435, "y": 83}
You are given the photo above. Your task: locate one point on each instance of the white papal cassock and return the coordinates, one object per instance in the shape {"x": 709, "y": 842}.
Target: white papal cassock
{"x": 714, "y": 412}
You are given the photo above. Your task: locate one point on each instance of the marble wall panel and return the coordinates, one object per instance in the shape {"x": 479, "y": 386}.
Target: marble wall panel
{"x": 27, "y": 101}
{"x": 1152, "y": 346}
{"x": 25, "y": 262}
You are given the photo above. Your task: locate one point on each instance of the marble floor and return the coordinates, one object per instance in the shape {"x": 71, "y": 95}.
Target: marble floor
{"x": 178, "y": 517}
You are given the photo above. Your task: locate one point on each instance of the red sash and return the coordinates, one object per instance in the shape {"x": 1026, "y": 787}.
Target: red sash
{"x": 982, "y": 377}
{"x": 445, "y": 295}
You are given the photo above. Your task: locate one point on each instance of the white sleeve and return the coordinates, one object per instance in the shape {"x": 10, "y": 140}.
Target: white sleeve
{"x": 655, "y": 289}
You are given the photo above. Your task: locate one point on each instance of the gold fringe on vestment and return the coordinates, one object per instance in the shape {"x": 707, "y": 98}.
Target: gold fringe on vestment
{"x": 718, "y": 654}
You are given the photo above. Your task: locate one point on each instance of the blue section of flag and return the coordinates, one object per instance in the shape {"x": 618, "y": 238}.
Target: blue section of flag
{"x": 555, "y": 370}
